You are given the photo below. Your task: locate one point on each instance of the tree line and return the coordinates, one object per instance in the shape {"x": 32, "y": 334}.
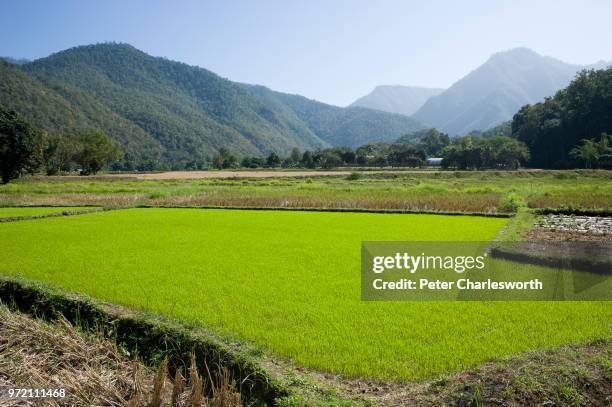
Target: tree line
{"x": 571, "y": 128}
{"x": 469, "y": 152}
{"x": 26, "y": 149}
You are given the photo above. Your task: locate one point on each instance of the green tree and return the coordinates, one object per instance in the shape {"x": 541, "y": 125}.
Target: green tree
{"x": 587, "y": 152}
{"x": 95, "y": 150}
{"x": 307, "y": 160}
{"x": 330, "y": 159}
{"x": 224, "y": 159}
{"x": 471, "y": 152}
{"x": 507, "y": 152}
{"x": 21, "y": 146}
{"x": 273, "y": 160}
{"x": 433, "y": 142}
{"x": 296, "y": 155}
{"x": 552, "y": 129}
{"x": 593, "y": 153}
{"x": 59, "y": 154}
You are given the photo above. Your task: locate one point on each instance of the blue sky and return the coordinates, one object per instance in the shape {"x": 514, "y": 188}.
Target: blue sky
{"x": 333, "y": 51}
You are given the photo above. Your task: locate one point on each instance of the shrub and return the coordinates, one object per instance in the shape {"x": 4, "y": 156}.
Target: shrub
{"x": 354, "y": 176}
{"x": 512, "y": 202}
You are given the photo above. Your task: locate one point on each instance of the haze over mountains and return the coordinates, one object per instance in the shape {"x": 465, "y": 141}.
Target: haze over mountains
{"x": 171, "y": 112}
{"x": 490, "y": 94}
{"x": 495, "y": 91}
{"x": 397, "y": 98}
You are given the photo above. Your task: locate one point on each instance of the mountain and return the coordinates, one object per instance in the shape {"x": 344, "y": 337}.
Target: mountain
{"x": 46, "y": 107}
{"x": 404, "y": 100}
{"x": 495, "y": 91}
{"x": 15, "y": 61}
{"x": 175, "y": 114}
{"x": 346, "y": 127}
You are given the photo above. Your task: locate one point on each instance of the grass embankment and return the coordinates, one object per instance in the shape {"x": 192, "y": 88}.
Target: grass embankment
{"x": 38, "y": 211}
{"x": 94, "y": 370}
{"x": 289, "y": 282}
{"x": 467, "y": 191}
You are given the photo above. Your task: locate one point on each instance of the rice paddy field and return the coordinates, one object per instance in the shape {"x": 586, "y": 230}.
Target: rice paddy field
{"x": 288, "y": 282}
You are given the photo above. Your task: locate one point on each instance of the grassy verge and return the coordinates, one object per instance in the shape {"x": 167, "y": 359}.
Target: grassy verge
{"x": 573, "y": 375}
{"x": 9, "y": 214}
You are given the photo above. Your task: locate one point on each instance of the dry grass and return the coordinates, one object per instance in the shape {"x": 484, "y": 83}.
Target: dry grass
{"x": 104, "y": 200}
{"x": 441, "y": 202}
{"x": 94, "y": 371}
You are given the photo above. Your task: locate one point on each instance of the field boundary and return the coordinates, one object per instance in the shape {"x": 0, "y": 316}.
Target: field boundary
{"x": 51, "y": 215}
{"x": 149, "y": 337}
{"x": 343, "y": 210}
{"x": 574, "y": 211}
{"x": 152, "y": 338}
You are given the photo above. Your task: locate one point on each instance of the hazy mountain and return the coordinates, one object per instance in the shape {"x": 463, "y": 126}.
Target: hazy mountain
{"x": 495, "y": 91}
{"x": 15, "y": 61}
{"x": 400, "y": 99}
{"x": 349, "y": 126}
{"x": 175, "y": 113}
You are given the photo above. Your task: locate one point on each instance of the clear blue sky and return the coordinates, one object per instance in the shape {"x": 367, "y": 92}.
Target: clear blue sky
{"x": 333, "y": 51}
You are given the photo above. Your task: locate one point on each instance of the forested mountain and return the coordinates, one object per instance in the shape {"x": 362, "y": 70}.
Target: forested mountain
{"x": 404, "y": 100}
{"x": 496, "y": 90}
{"x": 58, "y": 107}
{"x": 350, "y": 126}
{"x": 552, "y": 128}
{"x": 15, "y": 61}
{"x": 169, "y": 114}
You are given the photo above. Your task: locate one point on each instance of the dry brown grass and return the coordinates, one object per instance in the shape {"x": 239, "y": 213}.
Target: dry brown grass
{"x": 441, "y": 202}
{"x": 94, "y": 371}
{"x": 86, "y": 199}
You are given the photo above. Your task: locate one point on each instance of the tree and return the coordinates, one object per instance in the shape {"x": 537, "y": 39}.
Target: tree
{"x": 273, "y": 160}
{"x": 224, "y": 159}
{"x": 593, "y": 153}
{"x": 329, "y": 159}
{"x": 552, "y": 129}
{"x": 405, "y": 155}
{"x": 433, "y": 142}
{"x": 95, "y": 150}
{"x": 21, "y": 146}
{"x": 59, "y": 154}
{"x": 587, "y": 152}
{"x": 296, "y": 156}
{"x": 307, "y": 160}
{"x": 507, "y": 152}
{"x": 471, "y": 152}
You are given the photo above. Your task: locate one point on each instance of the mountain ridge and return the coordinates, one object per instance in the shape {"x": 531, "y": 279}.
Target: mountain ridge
{"x": 400, "y": 99}
{"x": 499, "y": 87}
{"x": 177, "y": 114}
